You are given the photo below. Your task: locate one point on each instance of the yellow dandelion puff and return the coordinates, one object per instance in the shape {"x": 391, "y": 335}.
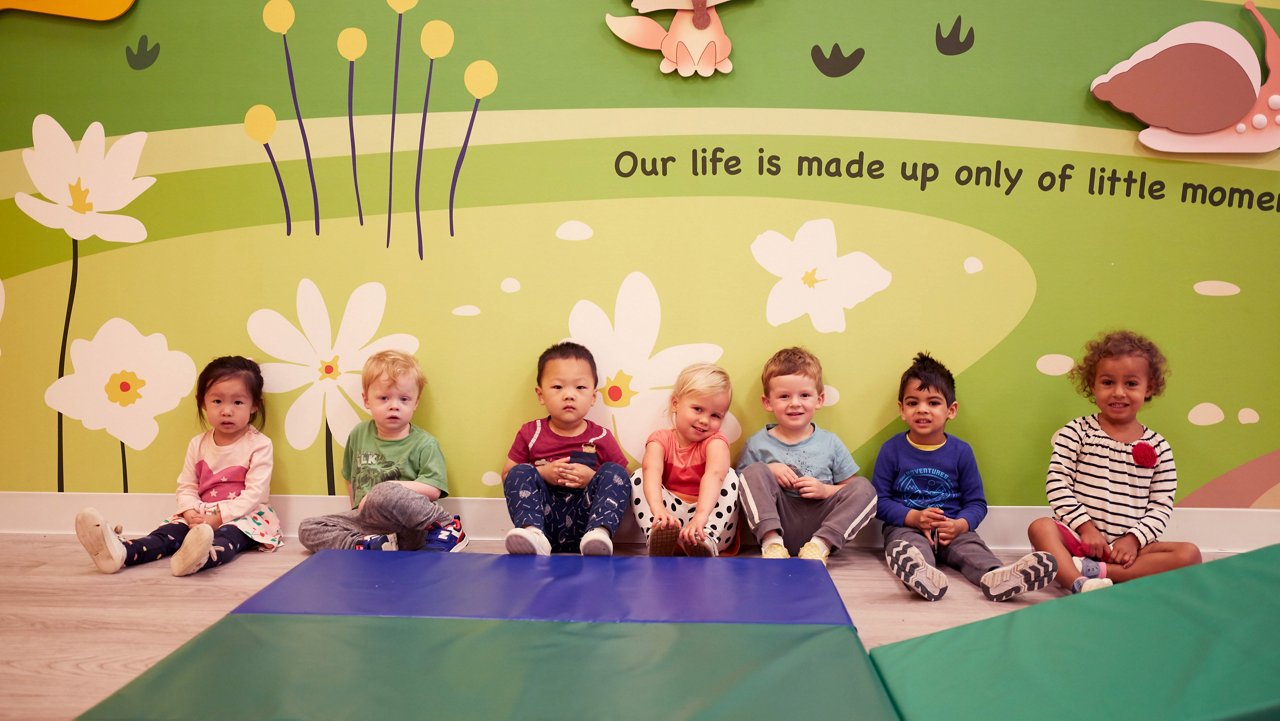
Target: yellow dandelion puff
{"x": 260, "y": 123}
{"x": 278, "y": 16}
{"x": 437, "y": 39}
{"x": 352, "y": 43}
{"x": 481, "y": 79}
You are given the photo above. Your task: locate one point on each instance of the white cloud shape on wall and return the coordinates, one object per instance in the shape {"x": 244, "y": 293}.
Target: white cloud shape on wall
{"x": 1054, "y": 364}
{"x": 1216, "y": 288}
{"x": 574, "y": 230}
{"x": 1205, "y": 414}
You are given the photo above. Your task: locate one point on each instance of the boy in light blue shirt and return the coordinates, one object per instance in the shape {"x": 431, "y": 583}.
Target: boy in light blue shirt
{"x": 800, "y": 487}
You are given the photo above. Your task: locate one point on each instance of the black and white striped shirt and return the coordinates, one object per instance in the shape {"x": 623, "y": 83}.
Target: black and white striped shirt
{"x": 1093, "y": 477}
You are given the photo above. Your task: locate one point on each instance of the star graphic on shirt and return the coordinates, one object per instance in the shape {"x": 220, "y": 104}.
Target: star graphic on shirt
{"x": 213, "y": 493}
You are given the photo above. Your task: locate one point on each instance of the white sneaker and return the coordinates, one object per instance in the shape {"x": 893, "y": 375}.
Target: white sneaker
{"x": 194, "y": 551}
{"x": 527, "y": 542}
{"x": 100, "y": 540}
{"x": 596, "y": 542}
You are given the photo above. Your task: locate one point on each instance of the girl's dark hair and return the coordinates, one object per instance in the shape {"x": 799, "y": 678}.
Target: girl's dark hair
{"x": 226, "y": 367}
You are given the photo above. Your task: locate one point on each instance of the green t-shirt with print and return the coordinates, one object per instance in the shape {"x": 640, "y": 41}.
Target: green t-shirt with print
{"x": 370, "y": 460}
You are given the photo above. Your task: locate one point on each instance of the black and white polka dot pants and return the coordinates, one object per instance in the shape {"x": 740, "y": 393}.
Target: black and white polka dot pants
{"x": 722, "y": 524}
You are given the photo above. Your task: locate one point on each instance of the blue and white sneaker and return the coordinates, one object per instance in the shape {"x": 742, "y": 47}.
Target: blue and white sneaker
{"x": 378, "y": 542}
{"x": 445, "y": 537}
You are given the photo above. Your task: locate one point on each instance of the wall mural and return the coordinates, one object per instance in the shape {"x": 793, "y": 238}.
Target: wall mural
{"x": 307, "y": 184}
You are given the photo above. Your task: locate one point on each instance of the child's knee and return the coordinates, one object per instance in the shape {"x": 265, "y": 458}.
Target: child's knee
{"x": 520, "y": 474}
{"x": 1187, "y": 554}
{"x": 1041, "y": 528}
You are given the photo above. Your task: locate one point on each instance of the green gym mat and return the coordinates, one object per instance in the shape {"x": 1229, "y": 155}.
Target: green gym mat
{"x": 1196, "y": 643}
{"x": 289, "y": 666}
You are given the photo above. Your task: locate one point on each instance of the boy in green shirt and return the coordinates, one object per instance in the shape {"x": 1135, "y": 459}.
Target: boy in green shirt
{"x": 395, "y": 472}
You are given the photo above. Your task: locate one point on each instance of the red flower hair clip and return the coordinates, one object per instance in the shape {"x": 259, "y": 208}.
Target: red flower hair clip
{"x": 1144, "y": 455}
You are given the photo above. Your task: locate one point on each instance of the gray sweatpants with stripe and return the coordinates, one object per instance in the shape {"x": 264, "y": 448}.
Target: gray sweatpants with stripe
{"x": 835, "y": 520}
{"x": 388, "y": 508}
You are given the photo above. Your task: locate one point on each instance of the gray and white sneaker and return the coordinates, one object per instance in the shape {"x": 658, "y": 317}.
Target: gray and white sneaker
{"x": 908, "y": 564}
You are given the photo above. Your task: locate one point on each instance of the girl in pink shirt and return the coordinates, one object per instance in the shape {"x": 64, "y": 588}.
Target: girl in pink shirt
{"x": 685, "y": 493}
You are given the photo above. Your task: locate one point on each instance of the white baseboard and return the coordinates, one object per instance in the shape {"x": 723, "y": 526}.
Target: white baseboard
{"x": 1229, "y": 530}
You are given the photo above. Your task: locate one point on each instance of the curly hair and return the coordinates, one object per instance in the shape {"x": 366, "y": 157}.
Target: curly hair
{"x": 792, "y": 362}
{"x": 1118, "y": 344}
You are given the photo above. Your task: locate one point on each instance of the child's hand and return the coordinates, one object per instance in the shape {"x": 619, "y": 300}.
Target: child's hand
{"x": 569, "y": 474}
{"x": 214, "y": 518}
{"x": 785, "y": 474}
{"x": 1125, "y": 550}
{"x": 692, "y": 533}
{"x": 662, "y": 519}
{"x": 1094, "y": 542}
{"x": 192, "y": 517}
{"x": 810, "y": 487}
{"x": 949, "y": 528}
{"x": 931, "y": 518}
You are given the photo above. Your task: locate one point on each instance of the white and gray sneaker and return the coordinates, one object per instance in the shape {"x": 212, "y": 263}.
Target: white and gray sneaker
{"x": 908, "y": 564}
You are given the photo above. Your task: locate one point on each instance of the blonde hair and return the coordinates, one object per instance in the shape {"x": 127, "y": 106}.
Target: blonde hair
{"x": 792, "y": 362}
{"x": 701, "y": 379}
{"x": 393, "y": 365}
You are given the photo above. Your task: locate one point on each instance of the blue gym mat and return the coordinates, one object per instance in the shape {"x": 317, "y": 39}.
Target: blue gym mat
{"x": 593, "y": 589}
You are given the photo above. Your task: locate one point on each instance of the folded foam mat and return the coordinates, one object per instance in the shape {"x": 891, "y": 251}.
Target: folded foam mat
{"x": 284, "y": 666}
{"x": 352, "y": 635}
{"x": 1197, "y": 643}
{"x": 554, "y": 588}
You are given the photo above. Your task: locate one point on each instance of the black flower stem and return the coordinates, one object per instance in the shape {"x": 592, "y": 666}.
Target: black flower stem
{"x": 422, "y": 136}
{"x": 62, "y": 356}
{"x": 391, "y": 154}
{"x": 124, "y": 468}
{"x": 351, "y": 127}
{"x": 288, "y": 222}
{"x": 453, "y": 185}
{"x": 306, "y": 147}
{"x": 328, "y": 457}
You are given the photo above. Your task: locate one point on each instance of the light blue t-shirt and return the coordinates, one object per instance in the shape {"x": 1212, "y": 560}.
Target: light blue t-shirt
{"x": 822, "y": 455}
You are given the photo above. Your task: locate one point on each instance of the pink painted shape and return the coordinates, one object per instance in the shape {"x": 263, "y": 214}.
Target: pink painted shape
{"x": 1241, "y": 487}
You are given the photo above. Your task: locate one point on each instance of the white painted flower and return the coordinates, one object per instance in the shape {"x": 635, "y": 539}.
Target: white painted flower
{"x": 636, "y": 382}
{"x": 84, "y": 185}
{"x": 312, "y": 356}
{"x": 121, "y": 380}
{"x": 814, "y": 281}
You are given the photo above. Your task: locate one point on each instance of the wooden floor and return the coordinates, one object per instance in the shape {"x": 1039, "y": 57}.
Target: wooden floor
{"x": 70, "y": 636}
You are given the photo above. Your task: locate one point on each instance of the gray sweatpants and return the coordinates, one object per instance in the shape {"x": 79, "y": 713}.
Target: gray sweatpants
{"x": 967, "y": 553}
{"x": 388, "y": 508}
{"x": 835, "y": 520}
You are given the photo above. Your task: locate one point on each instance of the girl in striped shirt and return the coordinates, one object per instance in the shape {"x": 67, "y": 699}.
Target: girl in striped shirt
{"x": 1111, "y": 479}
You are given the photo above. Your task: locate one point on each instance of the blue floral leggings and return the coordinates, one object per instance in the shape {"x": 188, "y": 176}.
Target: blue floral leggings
{"x": 167, "y": 539}
{"x": 565, "y": 514}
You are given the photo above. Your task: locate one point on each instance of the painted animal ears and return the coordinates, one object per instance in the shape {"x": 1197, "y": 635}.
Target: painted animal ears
{"x": 1200, "y": 89}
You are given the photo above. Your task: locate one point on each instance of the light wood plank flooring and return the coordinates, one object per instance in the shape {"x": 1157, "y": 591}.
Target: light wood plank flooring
{"x": 70, "y": 636}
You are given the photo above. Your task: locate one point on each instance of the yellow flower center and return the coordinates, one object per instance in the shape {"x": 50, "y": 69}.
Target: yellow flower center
{"x": 810, "y": 278}
{"x": 617, "y": 391}
{"x": 123, "y": 387}
{"x": 329, "y": 369}
{"x": 80, "y": 198}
